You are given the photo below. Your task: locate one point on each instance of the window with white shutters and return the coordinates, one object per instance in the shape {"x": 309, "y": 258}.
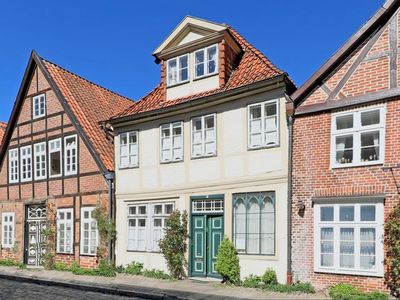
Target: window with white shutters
{"x": 171, "y": 142}
{"x": 13, "y": 166}
{"x": 70, "y": 155}
{"x": 7, "y": 229}
{"x": 204, "y": 140}
{"x": 26, "y": 163}
{"x": 65, "y": 230}
{"x": 128, "y": 149}
{"x": 40, "y": 159}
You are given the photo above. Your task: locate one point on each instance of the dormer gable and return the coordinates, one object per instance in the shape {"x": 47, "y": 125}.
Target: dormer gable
{"x": 196, "y": 57}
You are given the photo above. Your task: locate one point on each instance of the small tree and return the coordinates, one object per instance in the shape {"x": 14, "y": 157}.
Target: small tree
{"x": 228, "y": 262}
{"x": 173, "y": 246}
{"x": 392, "y": 239}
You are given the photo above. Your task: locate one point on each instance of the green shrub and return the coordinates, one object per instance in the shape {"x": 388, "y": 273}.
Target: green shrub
{"x": 134, "y": 268}
{"x": 253, "y": 281}
{"x": 392, "y": 242}
{"x": 154, "y": 273}
{"x": 105, "y": 269}
{"x": 60, "y": 266}
{"x": 228, "y": 262}
{"x": 269, "y": 277}
{"x": 173, "y": 246}
{"x": 348, "y": 292}
{"x": 298, "y": 287}
{"x": 8, "y": 262}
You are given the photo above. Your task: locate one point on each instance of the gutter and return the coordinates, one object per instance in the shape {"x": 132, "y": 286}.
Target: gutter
{"x": 290, "y": 120}
{"x": 110, "y": 177}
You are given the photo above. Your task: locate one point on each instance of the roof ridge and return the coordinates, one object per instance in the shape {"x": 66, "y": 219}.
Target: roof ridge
{"x": 253, "y": 49}
{"x": 87, "y": 80}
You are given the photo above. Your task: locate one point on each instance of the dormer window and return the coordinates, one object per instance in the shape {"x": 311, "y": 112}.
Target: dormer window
{"x": 205, "y": 61}
{"x": 178, "y": 69}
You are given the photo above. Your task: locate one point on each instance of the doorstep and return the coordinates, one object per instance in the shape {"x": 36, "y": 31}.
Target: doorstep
{"x": 147, "y": 288}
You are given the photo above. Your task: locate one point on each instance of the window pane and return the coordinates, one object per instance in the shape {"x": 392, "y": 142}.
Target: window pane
{"x": 368, "y": 213}
{"x": 172, "y": 72}
{"x": 347, "y": 247}
{"x": 370, "y": 146}
{"x": 270, "y": 109}
{"x": 209, "y": 122}
{"x": 346, "y": 213}
{"x": 327, "y": 213}
{"x": 344, "y": 149}
{"x": 184, "y": 71}
{"x": 367, "y": 248}
{"x": 212, "y": 59}
{"x": 142, "y": 210}
{"x": 253, "y": 227}
{"x": 158, "y": 209}
{"x": 132, "y": 210}
{"x": 199, "y": 57}
{"x": 370, "y": 117}
{"x": 255, "y": 112}
{"x": 169, "y": 208}
{"x": 327, "y": 247}
{"x": 344, "y": 122}
{"x": 55, "y": 163}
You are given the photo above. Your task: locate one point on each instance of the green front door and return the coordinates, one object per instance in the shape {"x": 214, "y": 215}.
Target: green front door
{"x": 207, "y": 233}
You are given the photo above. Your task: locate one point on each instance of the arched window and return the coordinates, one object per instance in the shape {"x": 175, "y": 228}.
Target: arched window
{"x": 254, "y": 222}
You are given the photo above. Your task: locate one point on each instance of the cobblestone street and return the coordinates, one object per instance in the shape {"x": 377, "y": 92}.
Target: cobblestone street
{"x": 20, "y": 290}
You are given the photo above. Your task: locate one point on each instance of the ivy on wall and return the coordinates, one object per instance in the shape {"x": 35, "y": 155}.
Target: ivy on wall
{"x": 392, "y": 241}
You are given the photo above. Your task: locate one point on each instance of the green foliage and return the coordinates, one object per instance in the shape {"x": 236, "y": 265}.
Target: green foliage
{"x": 8, "y": 262}
{"x": 392, "y": 241}
{"x": 158, "y": 274}
{"x": 344, "y": 291}
{"x": 228, "y": 262}
{"x": 269, "y": 277}
{"x": 106, "y": 228}
{"x": 298, "y": 287}
{"x": 134, "y": 268}
{"x": 105, "y": 269}
{"x": 49, "y": 233}
{"x": 60, "y": 266}
{"x": 173, "y": 246}
{"x": 253, "y": 281}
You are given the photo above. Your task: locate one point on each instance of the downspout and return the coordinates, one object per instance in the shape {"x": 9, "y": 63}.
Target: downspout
{"x": 110, "y": 179}
{"x": 290, "y": 120}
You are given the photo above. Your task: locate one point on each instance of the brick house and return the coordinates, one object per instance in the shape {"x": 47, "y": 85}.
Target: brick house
{"x": 346, "y": 147}
{"x": 56, "y": 163}
{"x": 211, "y": 139}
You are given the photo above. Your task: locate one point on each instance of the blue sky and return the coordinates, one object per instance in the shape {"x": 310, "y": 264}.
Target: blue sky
{"x": 110, "y": 42}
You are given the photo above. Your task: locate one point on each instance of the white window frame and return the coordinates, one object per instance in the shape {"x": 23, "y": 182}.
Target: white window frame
{"x": 68, "y": 153}
{"x": 172, "y": 147}
{"x": 206, "y": 62}
{"x": 129, "y": 156}
{"x": 203, "y": 136}
{"x": 40, "y": 158}
{"x": 378, "y": 225}
{"x": 13, "y": 165}
{"x": 26, "y": 161}
{"x": 54, "y": 151}
{"x": 264, "y": 143}
{"x": 66, "y": 222}
{"x": 356, "y": 132}
{"x": 152, "y": 234}
{"x": 178, "y": 70}
{"x": 40, "y": 100}
{"x": 91, "y": 242}
{"x": 4, "y": 231}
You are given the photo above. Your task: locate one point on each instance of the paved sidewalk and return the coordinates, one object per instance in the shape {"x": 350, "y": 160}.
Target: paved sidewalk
{"x": 147, "y": 288}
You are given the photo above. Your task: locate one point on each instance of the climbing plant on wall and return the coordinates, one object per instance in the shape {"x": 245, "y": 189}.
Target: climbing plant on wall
{"x": 392, "y": 241}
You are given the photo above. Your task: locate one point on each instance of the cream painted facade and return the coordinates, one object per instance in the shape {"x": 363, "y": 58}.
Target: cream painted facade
{"x": 234, "y": 169}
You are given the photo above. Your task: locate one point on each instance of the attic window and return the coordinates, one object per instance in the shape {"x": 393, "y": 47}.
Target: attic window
{"x": 39, "y": 106}
{"x": 206, "y": 61}
{"x": 178, "y": 69}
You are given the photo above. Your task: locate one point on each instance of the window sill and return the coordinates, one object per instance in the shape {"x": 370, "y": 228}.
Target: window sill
{"x": 87, "y": 255}
{"x": 263, "y": 147}
{"x": 171, "y": 162}
{"x": 203, "y": 156}
{"x": 64, "y": 253}
{"x": 143, "y": 251}
{"x": 349, "y": 272}
{"x": 355, "y": 165}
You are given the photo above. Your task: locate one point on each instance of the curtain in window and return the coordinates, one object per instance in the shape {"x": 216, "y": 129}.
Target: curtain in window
{"x": 367, "y": 248}
{"x": 172, "y": 72}
{"x": 240, "y": 225}
{"x": 267, "y": 226}
{"x": 253, "y": 226}
{"x": 347, "y": 247}
{"x": 327, "y": 247}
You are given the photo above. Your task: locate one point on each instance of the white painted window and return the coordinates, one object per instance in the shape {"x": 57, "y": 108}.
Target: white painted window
{"x": 13, "y": 166}
{"x": 26, "y": 163}
{"x": 206, "y": 61}
{"x": 358, "y": 137}
{"x": 128, "y": 149}
{"x": 65, "y": 230}
{"x": 171, "y": 142}
{"x": 254, "y": 222}
{"x": 40, "y": 161}
{"x": 178, "y": 69}
{"x": 204, "y": 137}
{"x": 263, "y": 127}
{"x": 70, "y": 155}
{"x": 348, "y": 238}
{"x": 55, "y": 157}
{"x": 7, "y": 229}
{"x": 89, "y": 232}
{"x": 39, "y": 106}
{"x": 146, "y": 225}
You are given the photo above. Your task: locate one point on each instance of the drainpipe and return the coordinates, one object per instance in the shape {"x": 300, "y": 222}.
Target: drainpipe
{"x": 290, "y": 120}
{"x": 110, "y": 179}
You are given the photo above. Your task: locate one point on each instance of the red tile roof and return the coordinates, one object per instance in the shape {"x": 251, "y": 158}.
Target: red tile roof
{"x": 3, "y": 127}
{"x": 90, "y": 103}
{"x": 253, "y": 67}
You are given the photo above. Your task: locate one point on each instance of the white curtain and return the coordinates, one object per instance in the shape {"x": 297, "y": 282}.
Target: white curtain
{"x": 240, "y": 225}
{"x": 253, "y": 227}
{"x": 267, "y": 227}
{"x": 347, "y": 247}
